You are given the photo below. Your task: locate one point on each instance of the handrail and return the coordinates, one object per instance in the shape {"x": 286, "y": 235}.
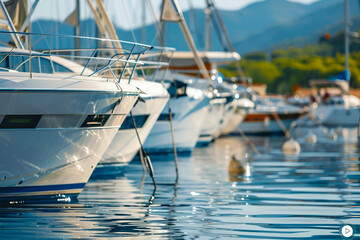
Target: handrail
{"x": 96, "y": 59}
{"x": 123, "y": 71}
{"x": 88, "y": 62}
{"x": 108, "y": 65}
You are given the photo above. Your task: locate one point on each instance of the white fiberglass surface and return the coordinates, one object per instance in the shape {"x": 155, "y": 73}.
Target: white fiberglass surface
{"x": 188, "y": 118}
{"x": 126, "y": 144}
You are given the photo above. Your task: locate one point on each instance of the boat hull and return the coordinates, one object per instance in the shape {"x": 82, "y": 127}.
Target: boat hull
{"x": 188, "y": 117}
{"x": 126, "y": 143}
{"x": 265, "y": 123}
{"x": 337, "y": 116}
{"x": 52, "y": 138}
{"x": 229, "y": 114}
{"x": 242, "y": 107}
{"x": 214, "y": 118}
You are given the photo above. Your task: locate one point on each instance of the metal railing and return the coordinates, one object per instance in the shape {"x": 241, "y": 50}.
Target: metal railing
{"x": 94, "y": 60}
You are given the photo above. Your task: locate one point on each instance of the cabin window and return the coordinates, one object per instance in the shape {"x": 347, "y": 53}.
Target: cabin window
{"x": 20, "y": 121}
{"x": 129, "y": 123}
{"x": 229, "y": 99}
{"x": 98, "y": 120}
{"x": 177, "y": 89}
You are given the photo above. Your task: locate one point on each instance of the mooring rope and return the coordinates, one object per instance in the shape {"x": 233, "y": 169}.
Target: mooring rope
{"x": 146, "y": 158}
{"x": 248, "y": 141}
{"x": 173, "y": 141}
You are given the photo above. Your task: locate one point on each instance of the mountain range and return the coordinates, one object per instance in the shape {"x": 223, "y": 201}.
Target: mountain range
{"x": 261, "y": 26}
{"x": 304, "y": 26}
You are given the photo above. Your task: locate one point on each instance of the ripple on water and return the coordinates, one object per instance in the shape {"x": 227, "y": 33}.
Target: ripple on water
{"x": 302, "y": 197}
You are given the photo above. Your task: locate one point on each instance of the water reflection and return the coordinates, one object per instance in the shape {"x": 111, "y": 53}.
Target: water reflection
{"x": 275, "y": 197}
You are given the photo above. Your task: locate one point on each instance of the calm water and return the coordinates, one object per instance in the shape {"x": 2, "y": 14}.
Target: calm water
{"x": 308, "y": 196}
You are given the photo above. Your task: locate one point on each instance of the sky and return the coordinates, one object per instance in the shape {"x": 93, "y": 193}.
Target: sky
{"x": 60, "y": 9}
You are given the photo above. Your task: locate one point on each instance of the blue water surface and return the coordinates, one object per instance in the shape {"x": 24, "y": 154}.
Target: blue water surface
{"x": 308, "y": 196}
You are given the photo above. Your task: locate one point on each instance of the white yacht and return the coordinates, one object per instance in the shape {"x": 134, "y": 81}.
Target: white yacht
{"x": 214, "y": 110}
{"x": 241, "y": 107}
{"x": 332, "y": 105}
{"x": 237, "y": 107}
{"x": 229, "y": 115}
{"x": 214, "y": 113}
{"x": 336, "y": 108}
{"x": 215, "y": 116}
{"x": 189, "y": 108}
{"x": 55, "y": 126}
{"x": 228, "y": 107}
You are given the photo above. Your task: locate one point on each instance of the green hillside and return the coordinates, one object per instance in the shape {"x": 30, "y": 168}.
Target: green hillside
{"x": 284, "y": 68}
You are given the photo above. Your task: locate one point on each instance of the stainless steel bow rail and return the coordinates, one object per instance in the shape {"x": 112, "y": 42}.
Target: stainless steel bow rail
{"x": 119, "y": 62}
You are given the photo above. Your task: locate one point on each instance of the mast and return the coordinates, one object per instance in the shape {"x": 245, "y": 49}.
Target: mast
{"x": 105, "y": 27}
{"x": 28, "y": 17}
{"x": 346, "y": 36}
{"x": 171, "y": 12}
{"x": 77, "y": 28}
{"x": 109, "y": 26}
{"x": 207, "y": 27}
{"x": 11, "y": 26}
{"x": 143, "y": 20}
{"x": 212, "y": 7}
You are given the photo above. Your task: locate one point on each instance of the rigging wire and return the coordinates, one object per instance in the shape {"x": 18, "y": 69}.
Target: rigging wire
{"x": 173, "y": 141}
{"x": 194, "y": 26}
{"x": 13, "y": 48}
{"x": 157, "y": 25}
{"x": 143, "y": 21}
{"x": 128, "y": 20}
{"x": 219, "y": 33}
{"x": 227, "y": 38}
{"x": 57, "y": 44}
{"x": 44, "y": 36}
